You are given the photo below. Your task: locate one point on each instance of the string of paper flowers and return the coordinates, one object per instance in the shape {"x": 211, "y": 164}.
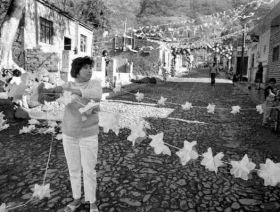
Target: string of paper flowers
{"x": 269, "y": 171}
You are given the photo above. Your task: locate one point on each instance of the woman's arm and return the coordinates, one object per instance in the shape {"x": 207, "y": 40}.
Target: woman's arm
{"x": 94, "y": 91}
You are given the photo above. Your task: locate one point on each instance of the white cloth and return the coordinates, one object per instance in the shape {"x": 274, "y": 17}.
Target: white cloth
{"x": 81, "y": 154}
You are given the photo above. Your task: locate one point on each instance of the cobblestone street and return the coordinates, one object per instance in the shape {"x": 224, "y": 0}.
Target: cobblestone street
{"x": 135, "y": 179}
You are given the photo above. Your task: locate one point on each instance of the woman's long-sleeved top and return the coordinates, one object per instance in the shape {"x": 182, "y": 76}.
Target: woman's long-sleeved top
{"x": 73, "y": 123}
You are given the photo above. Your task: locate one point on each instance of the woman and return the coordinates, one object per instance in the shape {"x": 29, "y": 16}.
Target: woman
{"x": 259, "y": 76}
{"x": 80, "y": 132}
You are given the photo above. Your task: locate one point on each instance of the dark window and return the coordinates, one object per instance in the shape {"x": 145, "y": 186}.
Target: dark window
{"x": 46, "y": 31}
{"x": 67, "y": 43}
{"x": 83, "y": 44}
{"x": 253, "y": 61}
{"x": 275, "y": 54}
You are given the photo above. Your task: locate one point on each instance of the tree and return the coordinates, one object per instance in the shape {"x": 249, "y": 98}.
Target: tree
{"x": 8, "y": 30}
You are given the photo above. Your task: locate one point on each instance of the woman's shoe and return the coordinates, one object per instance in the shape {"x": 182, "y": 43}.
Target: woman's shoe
{"x": 72, "y": 207}
{"x": 93, "y": 208}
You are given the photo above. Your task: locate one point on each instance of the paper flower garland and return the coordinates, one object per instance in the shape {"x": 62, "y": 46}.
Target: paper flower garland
{"x": 270, "y": 172}
{"x": 211, "y": 108}
{"x": 235, "y": 109}
{"x": 158, "y": 144}
{"x": 187, "y": 106}
{"x": 212, "y": 163}
{"x": 27, "y": 129}
{"x": 187, "y": 153}
{"x": 260, "y": 109}
{"x": 3, "y": 207}
{"x": 137, "y": 131}
{"x": 109, "y": 121}
{"x": 241, "y": 169}
{"x": 162, "y": 101}
{"x": 139, "y": 96}
{"x": 3, "y": 124}
{"x": 41, "y": 191}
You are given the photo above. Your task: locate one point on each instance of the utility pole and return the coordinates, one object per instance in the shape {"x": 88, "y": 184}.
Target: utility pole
{"x": 242, "y": 52}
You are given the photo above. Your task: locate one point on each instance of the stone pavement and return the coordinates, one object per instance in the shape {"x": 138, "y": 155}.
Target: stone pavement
{"x": 257, "y": 96}
{"x": 135, "y": 179}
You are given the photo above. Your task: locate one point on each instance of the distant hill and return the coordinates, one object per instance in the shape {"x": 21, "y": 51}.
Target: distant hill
{"x": 145, "y": 12}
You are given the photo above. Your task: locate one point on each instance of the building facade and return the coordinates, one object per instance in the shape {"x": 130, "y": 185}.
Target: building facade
{"x": 260, "y": 52}
{"x": 50, "y": 39}
{"x": 274, "y": 50}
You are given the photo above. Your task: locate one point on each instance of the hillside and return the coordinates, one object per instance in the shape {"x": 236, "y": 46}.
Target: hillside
{"x": 146, "y": 12}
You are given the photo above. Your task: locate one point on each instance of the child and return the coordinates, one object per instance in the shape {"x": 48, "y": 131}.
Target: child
{"x": 269, "y": 96}
{"x": 80, "y": 137}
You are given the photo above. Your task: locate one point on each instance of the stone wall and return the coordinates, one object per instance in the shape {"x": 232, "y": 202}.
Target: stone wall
{"x": 37, "y": 59}
{"x": 144, "y": 62}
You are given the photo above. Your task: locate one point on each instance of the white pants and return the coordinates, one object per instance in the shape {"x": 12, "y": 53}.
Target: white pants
{"x": 267, "y": 110}
{"x": 81, "y": 154}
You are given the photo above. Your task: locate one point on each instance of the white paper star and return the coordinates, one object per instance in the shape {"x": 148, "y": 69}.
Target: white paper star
{"x": 41, "y": 191}
{"x": 162, "y": 101}
{"x": 187, "y": 153}
{"x": 187, "y": 106}
{"x": 117, "y": 88}
{"x": 58, "y": 137}
{"x": 3, "y": 207}
{"x": 211, "y": 108}
{"x": 109, "y": 121}
{"x": 66, "y": 98}
{"x": 158, "y": 144}
{"x": 241, "y": 169}
{"x": 49, "y": 130}
{"x": 4, "y": 95}
{"x": 260, "y": 109}
{"x": 16, "y": 80}
{"x": 270, "y": 172}
{"x": 137, "y": 131}
{"x": 139, "y": 96}
{"x": 235, "y": 109}
{"x": 212, "y": 163}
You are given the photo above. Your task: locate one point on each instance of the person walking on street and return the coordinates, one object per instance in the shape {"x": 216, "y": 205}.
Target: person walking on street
{"x": 259, "y": 76}
{"x": 213, "y": 73}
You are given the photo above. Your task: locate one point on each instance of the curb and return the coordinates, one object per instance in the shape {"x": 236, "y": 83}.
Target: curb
{"x": 127, "y": 88}
{"x": 244, "y": 88}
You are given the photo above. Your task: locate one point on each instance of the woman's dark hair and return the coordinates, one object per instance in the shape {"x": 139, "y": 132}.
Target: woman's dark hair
{"x": 78, "y": 63}
{"x": 104, "y": 52}
{"x": 272, "y": 80}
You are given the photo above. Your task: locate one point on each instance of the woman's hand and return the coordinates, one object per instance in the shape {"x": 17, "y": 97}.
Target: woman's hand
{"x": 75, "y": 91}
